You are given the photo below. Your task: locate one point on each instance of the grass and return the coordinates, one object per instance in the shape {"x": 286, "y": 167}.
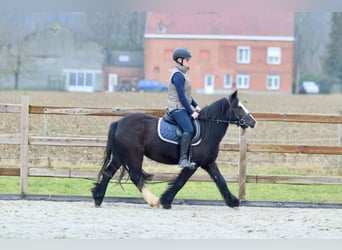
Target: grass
{"x": 192, "y": 190}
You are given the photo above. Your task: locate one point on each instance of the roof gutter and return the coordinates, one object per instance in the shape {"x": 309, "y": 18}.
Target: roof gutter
{"x": 221, "y": 37}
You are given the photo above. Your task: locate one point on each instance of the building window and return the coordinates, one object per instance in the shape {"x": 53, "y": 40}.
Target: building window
{"x": 79, "y": 80}
{"x": 204, "y": 54}
{"x": 227, "y": 81}
{"x": 273, "y": 55}
{"x": 123, "y": 58}
{"x": 243, "y": 54}
{"x": 161, "y": 27}
{"x": 273, "y": 81}
{"x": 89, "y": 79}
{"x": 156, "y": 69}
{"x": 242, "y": 81}
{"x": 168, "y": 54}
{"x": 209, "y": 84}
{"x": 72, "y": 78}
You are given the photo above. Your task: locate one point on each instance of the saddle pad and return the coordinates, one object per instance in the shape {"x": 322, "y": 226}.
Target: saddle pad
{"x": 168, "y": 132}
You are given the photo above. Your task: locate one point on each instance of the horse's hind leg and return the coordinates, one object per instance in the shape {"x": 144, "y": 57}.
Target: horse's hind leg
{"x": 221, "y": 183}
{"x": 168, "y": 196}
{"x": 100, "y": 188}
{"x": 138, "y": 178}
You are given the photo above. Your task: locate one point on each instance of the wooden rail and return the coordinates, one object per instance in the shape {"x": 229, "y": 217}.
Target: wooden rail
{"x": 271, "y": 117}
{"x": 25, "y": 140}
{"x": 83, "y": 174}
{"x": 224, "y": 146}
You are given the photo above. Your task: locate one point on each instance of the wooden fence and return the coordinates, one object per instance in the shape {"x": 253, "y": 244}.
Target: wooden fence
{"x": 24, "y": 140}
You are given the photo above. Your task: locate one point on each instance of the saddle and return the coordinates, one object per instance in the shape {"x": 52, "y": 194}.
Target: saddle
{"x": 169, "y": 131}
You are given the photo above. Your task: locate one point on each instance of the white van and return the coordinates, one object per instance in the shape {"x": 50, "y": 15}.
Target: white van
{"x": 309, "y": 88}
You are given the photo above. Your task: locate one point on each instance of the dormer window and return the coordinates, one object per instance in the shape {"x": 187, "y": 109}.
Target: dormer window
{"x": 161, "y": 27}
{"x": 123, "y": 58}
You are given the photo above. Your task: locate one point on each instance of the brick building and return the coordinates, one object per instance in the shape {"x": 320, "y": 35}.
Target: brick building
{"x": 122, "y": 70}
{"x": 249, "y": 51}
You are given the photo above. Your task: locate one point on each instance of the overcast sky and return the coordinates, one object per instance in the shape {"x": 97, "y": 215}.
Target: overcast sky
{"x": 166, "y": 5}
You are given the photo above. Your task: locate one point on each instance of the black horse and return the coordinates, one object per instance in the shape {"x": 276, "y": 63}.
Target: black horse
{"x": 135, "y": 135}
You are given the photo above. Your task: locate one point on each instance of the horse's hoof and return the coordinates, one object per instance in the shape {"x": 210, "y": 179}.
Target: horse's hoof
{"x": 234, "y": 203}
{"x": 167, "y": 206}
{"x": 155, "y": 204}
{"x": 165, "y": 202}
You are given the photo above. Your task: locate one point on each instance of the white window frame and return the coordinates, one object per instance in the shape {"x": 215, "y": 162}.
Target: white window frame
{"x": 209, "y": 83}
{"x": 243, "y": 54}
{"x": 274, "y": 55}
{"x": 227, "y": 81}
{"x": 242, "y": 80}
{"x": 80, "y": 80}
{"x": 273, "y": 81}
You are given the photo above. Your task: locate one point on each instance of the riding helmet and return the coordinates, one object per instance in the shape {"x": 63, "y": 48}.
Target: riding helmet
{"x": 181, "y": 53}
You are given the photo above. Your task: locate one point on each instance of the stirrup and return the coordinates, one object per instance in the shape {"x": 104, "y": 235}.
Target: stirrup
{"x": 187, "y": 164}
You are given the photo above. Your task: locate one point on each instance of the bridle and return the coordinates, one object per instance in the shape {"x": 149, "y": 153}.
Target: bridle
{"x": 241, "y": 121}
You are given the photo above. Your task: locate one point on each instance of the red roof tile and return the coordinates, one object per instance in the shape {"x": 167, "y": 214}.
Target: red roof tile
{"x": 232, "y": 23}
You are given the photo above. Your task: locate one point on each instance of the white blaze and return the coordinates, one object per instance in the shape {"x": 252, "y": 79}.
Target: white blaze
{"x": 246, "y": 110}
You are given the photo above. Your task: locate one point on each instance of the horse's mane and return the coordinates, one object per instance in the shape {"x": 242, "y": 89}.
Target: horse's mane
{"x": 215, "y": 110}
{"x": 211, "y": 113}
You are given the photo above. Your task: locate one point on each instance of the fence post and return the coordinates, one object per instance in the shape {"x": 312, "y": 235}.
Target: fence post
{"x": 340, "y": 144}
{"x": 242, "y": 163}
{"x": 24, "y": 144}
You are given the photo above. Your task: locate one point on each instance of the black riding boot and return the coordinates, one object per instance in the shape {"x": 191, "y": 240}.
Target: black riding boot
{"x": 184, "y": 152}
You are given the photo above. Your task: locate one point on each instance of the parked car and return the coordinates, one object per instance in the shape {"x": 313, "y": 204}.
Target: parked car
{"x": 151, "y": 86}
{"x": 125, "y": 86}
{"x": 309, "y": 88}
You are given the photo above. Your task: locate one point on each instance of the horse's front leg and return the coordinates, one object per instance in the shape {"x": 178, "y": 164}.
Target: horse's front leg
{"x": 168, "y": 196}
{"x": 221, "y": 184}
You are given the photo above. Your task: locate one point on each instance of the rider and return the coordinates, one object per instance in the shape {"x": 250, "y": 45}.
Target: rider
{"x": 180, "y": 102}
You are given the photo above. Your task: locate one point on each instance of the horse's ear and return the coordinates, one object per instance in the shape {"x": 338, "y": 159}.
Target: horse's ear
{"x": 233, "y": 97}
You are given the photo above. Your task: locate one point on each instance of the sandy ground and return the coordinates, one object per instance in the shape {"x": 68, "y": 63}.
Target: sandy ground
{"x": 22, "y": 219}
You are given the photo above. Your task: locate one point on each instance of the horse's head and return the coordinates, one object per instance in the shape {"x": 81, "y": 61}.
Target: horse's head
{"x": 239, "y": 115}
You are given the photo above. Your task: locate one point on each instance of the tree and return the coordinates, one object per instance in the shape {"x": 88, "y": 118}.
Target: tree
{"x": 114, "y": 30}
{"x": 12, "y": 50}
{"x": 136, "y": 30}
{"x": 111, "y": 30}
{"x": 311, "y": 38}
{"x": 333, "y": 62}
{"x": 15, "y": 28}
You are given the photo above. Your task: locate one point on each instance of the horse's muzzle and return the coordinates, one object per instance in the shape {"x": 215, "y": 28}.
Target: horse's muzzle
{"x": 250, "y": 121}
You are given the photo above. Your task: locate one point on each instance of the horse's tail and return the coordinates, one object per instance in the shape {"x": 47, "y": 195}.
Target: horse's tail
{"x": 109, "y": 151}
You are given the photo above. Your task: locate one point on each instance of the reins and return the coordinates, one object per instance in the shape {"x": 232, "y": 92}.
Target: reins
{"x": 241, "y": 121}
